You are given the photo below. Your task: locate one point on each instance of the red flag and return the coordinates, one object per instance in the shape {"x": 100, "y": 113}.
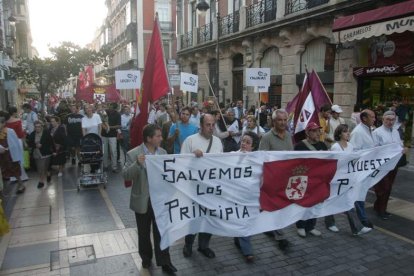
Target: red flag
{"x": 311, "y": 98}
{"x": 155, "y": 84}
{"x": 303, "y": 181}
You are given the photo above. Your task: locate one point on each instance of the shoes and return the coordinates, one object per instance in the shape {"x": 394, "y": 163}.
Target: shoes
{"x": 383, "y": 216}
{"x": 302, "y": 232}
{"x": 114, "y": 170}
{"x": 48, "y": 178}
{"x": 315, "y": 232}
{"x": 20, "y": 190}
{"x": 187, "y": 251}
{"x": 73, "y": 161}
{"x": 388, "y": 214}
{"x": 283, "y": 244}
{"x": 249, "y": 258}
{"x": 60, "y": 174}
{"x": 333, "y": 228}
{"x": 40, "y": 185}
{"x": 367, "y": 224}
{"x": 146, "y": 264}
{"x": 207, "y": 252}
{"x": 363, "y": 230}
{"x": 169, "y": 269}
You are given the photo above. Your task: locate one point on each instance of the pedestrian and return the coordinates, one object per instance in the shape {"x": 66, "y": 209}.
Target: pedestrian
{"x": 198, "y": 144}
{"x": 126, "y": 119}
{"x": 362, "y": 138}
{"x": 15, "y": 123}
{"x": 312, "y": 142}
{"x": 181, "y": 130}
{"x": 58, "y": 133}
{"x": 74, "y": 129}
{"x": 386, "y": 134}
{"x": 334, "y": 121}
{"x": 11, "y": 153}
{"x": 252, "y": 126}
{"x": 277, "y": 139}
{"x": 41, "y": 143}
{"x": 29, "y": 117}
{"x": 109, "y": 137}
{"x": 91, "y": 122}
{"x": 341, "y": 136}
{"x": 234, "y": 128}
{"x": 135, "y": 171}
{"x": 249, "y": 143}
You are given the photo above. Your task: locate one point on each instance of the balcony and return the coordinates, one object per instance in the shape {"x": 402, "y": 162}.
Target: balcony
{"x": 187, "y": 40}
{"x": 229, "y": 24}
{"x": 261, "y": 12}
{"x": 205, "y": 33}
{"x": 293, "y": 6}
{"x": 129, "y": 34}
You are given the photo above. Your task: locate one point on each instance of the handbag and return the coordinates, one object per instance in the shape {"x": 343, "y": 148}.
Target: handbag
{"x": 26, "y": 159}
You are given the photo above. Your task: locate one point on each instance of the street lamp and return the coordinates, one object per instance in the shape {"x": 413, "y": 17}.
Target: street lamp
{"x": 202, "y": 8}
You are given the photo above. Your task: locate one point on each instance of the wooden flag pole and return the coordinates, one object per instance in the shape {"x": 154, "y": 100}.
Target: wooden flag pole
{"x": 216, "y": 100}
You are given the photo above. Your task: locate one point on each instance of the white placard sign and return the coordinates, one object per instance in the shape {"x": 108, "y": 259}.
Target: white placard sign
{"x": 258, "y": 77}
{"x": 189, "y": 82}
{"x": 128, "y": 79}
{"x": 242, "y": 194}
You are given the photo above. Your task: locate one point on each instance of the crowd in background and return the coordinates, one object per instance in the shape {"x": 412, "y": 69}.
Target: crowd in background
{"x": 49, "y": 139}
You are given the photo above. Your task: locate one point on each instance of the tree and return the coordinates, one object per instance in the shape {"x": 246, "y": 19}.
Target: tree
{"x": 47, "y": 74}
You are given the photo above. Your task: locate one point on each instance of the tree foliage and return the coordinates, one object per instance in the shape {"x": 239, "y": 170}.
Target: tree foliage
{"x": 47, "y": 74}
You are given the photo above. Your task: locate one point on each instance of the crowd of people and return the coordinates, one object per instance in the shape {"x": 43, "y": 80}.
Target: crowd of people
{"x": 53, "y": 139}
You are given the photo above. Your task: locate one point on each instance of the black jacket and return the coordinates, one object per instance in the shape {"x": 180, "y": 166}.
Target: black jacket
{"x": 46, "y": 141}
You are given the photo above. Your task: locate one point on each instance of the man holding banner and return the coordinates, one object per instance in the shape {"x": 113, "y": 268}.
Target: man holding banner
{"x": 135, "y": 170}
{"x": 202, "y": 142}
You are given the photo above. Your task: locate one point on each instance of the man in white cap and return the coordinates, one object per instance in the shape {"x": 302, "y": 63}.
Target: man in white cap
{"x": 334, "y": 122}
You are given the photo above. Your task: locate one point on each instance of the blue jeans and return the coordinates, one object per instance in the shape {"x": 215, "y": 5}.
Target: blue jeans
{"x": 245, "y": 245}
{"x": 360, "y": 210}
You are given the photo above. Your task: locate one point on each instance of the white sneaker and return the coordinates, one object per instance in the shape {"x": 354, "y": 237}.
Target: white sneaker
{"x": 315, "y": 232}
{"x": 333, "y": 228}
{"x": 60, "y": 174}
{"x": 302, "y": 232}
{"x": 364, "y": 230}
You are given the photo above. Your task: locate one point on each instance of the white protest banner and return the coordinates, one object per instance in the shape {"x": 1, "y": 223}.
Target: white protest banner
{"x": 223, "y": 194}
{"x": 189, "y": 82}
{"x": 128, "y": 79}
{"x": 258, "y": 77}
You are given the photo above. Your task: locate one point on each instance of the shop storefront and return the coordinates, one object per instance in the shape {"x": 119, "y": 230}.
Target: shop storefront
{"x": 383, "y": 43}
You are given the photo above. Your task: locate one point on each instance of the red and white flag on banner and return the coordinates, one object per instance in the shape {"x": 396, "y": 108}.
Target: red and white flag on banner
{"x": 303, "y": 181}
{"x": 311, "y": 98}
{"x": 155, "y": 84}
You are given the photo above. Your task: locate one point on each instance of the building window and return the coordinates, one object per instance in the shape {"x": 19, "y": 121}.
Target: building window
{"x": 314, "y": 56}
{"x": 193, "y": 15}
{"x": 163, "y": 9}
{"x": 236, "y": 5}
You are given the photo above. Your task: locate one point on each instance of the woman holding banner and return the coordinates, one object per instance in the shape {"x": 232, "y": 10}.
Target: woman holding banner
{"x": 249, "y": 142}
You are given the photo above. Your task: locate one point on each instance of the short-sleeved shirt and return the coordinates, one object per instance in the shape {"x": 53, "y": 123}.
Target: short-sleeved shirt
{"x": 272, "y": 141}
{"x": 91, "y": 125}
{"x": 114, "y": 119}
{"x": 74, "y": 124}
{"x": 185, "y": 131}
{"x": 199, "y": 142}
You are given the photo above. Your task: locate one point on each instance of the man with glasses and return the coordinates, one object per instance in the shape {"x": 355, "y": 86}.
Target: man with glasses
{"x": 181, "y": 130}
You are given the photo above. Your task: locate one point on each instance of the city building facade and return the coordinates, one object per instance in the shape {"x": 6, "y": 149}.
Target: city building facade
{"x": 126, "y": 35}
{"x": 15, "y": 42}
{"x": 290, "y": 37}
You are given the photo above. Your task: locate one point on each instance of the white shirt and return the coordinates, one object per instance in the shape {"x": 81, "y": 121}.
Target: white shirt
{"x": 126, "y": 121}
{"x": 31, "y": 117}
{"x": 91, "y": 125}
{"x": 195, "y": 120}
{"x": 362, "y": 138}
{"x": 384, "y": 136}
{"x": 337, "y": 147}
{"x": 197, "y": 141}
{"x": 257, "y": 129}
{"x": 151, "y": 117}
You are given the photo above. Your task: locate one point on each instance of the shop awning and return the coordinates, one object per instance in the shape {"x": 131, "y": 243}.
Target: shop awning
{"x": 386, "y": 20}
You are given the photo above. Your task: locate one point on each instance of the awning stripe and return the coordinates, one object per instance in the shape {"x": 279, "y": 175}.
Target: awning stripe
{"x": 377, "y": 15}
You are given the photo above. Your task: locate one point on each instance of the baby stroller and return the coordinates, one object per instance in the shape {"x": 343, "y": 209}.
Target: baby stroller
{"x": 91, "y": 154}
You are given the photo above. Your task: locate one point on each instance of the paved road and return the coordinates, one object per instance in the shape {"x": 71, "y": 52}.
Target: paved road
{"x": 58, "y": 231}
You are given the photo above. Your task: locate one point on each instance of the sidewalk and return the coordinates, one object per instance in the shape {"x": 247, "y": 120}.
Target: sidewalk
{"x": 58, "y": 231}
